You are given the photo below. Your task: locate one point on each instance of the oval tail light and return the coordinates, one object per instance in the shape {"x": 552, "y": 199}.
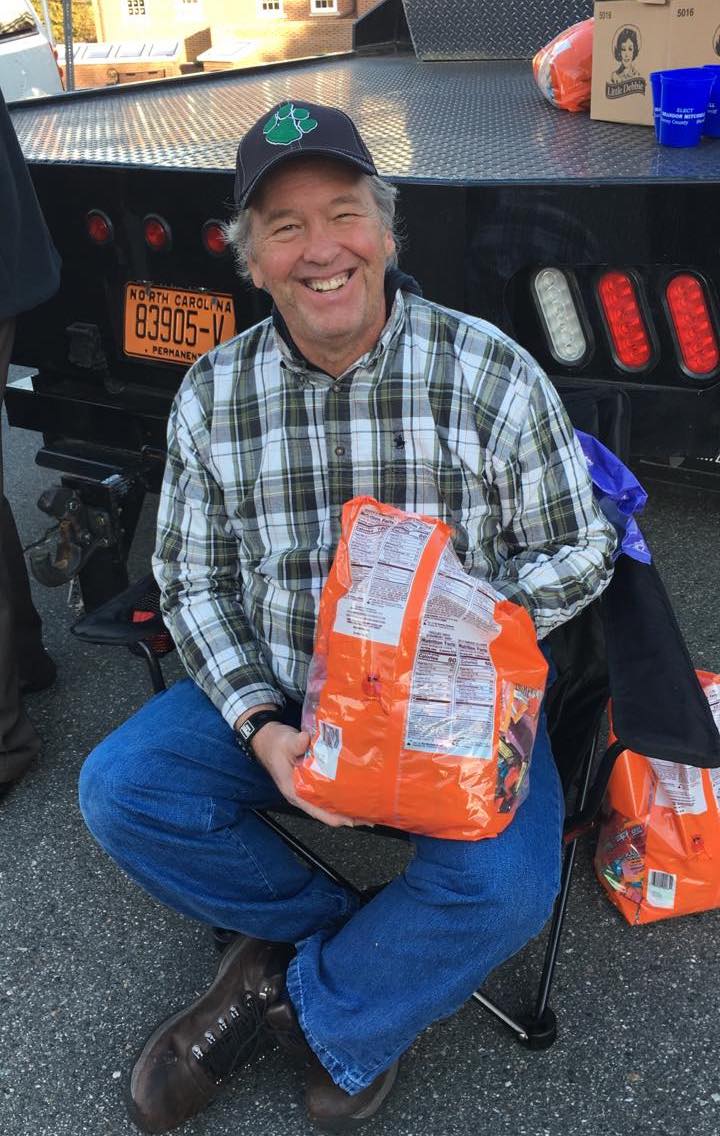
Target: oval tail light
{"x": 626, "y": 325}
{"x": 563, "y": 326}
{"x": 695, "y": 336}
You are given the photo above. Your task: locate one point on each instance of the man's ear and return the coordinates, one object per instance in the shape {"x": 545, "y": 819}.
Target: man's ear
{"x": 257, "y": 276}
{"x": 389, "y": 244}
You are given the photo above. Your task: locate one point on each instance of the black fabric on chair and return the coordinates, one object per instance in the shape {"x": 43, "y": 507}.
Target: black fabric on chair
{"x": 112, "y": 623}
{"x": 131, "y": 619}
{"x": 658, "y": 705}
{"x": 576, "y": 701}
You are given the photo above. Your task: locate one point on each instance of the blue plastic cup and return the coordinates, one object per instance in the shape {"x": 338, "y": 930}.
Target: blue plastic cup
{"x": 656, "y": 85}
{"x": 712, "y": 115}
{"x": 656, "y": 78}
{"x": 684, "y": 96}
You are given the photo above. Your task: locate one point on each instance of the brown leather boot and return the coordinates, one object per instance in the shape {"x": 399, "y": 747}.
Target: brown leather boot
{"x": 187, "y": 1058}
{"x": 328, "y": 1106}
{"x": 333, "y": 1110}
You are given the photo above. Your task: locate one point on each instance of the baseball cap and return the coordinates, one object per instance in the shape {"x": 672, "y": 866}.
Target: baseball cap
{"x": 293, "y": 129}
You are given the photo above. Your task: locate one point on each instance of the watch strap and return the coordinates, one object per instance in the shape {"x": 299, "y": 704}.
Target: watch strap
{"x": 247, "y": 731}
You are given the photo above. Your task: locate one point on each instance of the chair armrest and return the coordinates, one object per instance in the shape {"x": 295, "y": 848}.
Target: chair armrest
{"x": 112, "y": 623}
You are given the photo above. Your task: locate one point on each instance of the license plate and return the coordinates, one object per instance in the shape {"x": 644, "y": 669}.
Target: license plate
{"x": 175, "y": 325}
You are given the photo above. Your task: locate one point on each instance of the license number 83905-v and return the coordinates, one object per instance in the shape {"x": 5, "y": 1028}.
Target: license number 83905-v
{"x": 175, "y": 325}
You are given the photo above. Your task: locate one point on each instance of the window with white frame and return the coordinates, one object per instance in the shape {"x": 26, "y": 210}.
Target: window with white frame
{"x": 269, "y": 7}
{"x": 320, "y": 7}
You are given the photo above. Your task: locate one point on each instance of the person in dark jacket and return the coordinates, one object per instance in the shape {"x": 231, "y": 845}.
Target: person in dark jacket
{"x": 29, "y": 274}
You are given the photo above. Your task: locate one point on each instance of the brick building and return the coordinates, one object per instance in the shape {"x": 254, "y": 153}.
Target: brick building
{"x": 268, "y": 29}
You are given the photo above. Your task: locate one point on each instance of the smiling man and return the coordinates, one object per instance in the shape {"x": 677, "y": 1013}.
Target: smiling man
{"x": 333, "y": 299}
{"x": 354, "y": 386}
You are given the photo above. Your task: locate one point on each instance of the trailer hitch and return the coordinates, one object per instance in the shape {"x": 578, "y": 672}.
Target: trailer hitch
{"x": 67, "y": 546}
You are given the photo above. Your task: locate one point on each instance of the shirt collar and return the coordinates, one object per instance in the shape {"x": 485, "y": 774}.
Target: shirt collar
{"x": 295, "y": 362}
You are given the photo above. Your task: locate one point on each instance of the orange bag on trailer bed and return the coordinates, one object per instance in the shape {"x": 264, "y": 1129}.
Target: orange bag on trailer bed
{"x": 563, "y": 68}
{"x": 658, "y": 852}
{"x": 425, "y": 687}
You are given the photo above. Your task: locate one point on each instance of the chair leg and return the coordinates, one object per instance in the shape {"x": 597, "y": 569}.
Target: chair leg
{"x": 539, "y": 1029}
{"x": 156, "y": 676}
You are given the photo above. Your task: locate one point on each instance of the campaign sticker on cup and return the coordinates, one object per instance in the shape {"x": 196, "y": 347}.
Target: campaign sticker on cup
{"x": 684, "y": 96}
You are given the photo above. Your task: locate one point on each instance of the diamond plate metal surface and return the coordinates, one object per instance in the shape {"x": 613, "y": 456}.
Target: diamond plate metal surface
{"x": 448, "y": 122}
{"x": 488, "y": 29}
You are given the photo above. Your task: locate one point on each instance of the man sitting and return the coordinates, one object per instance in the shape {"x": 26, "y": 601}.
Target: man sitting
{"x": 354, "y": 386}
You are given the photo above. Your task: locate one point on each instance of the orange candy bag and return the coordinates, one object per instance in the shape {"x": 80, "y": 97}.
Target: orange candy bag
{"x": 563, "y": 68}
{"x": 658, "y": 852}
{"x": 425, "y": 687}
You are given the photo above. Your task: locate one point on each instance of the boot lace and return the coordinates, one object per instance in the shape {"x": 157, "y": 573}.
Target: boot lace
{"x": 236, "y": 1037}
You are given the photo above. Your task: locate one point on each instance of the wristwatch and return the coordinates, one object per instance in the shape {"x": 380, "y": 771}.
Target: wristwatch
{"x": 250, "y": 727}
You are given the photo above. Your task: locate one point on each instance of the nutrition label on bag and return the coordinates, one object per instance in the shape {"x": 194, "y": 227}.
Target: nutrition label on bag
{"x": 458, "y": 598}
{"x": 384, "y": 554}
{"x": 679, "y": 787}
{"x": 452, "y": 693}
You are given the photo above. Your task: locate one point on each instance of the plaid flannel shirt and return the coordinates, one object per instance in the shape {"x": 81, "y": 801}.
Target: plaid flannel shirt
{"x": 445, "y": 416}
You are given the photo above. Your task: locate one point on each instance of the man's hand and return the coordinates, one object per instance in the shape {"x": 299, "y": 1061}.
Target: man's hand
{"x": 279, "y": 748}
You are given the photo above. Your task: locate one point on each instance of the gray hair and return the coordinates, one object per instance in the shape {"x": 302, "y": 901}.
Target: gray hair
{"x": 238, "y": 230}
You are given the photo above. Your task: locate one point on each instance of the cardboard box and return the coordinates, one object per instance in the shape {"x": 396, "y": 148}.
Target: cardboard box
{"x": 634, "y": 37}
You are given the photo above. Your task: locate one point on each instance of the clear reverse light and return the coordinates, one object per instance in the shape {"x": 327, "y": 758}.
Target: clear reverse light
{"x": 555, "y": 301}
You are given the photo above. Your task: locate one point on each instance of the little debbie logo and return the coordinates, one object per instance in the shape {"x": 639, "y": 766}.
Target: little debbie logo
{"x": 626, "y": 78}
{"x": 288, "y": 125}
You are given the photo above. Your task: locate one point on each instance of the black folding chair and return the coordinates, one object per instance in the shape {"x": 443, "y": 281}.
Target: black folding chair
{"x": 626, "y": 646}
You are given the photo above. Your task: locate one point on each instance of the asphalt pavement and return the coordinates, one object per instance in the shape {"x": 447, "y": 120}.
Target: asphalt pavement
{"x": 89, "y": 965}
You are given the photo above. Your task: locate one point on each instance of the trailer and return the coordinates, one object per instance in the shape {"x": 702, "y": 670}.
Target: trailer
{"x": 591, "y": 245}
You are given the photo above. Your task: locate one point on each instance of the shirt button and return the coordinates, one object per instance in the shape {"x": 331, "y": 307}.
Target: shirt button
{"x": 337, "y": 387}
{"x": 339, "y": 450}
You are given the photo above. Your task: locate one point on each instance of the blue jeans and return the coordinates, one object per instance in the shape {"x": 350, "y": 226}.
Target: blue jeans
{"x": 169, "y": 794}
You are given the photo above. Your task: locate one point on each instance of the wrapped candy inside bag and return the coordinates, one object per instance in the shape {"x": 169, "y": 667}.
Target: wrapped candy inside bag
{"x": 425, "y": 687}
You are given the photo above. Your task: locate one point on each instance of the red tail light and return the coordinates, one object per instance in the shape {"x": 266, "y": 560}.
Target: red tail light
{"x": 626, "y": 325}
{"x": 691, "y": 319}
{"x": 157, "y": 233}
{"x": 213, "y": 238}
{"x": 98, "y": 227}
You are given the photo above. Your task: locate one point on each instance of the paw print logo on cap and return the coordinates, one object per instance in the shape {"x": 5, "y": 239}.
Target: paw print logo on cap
{"x": 288, "y": 125}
